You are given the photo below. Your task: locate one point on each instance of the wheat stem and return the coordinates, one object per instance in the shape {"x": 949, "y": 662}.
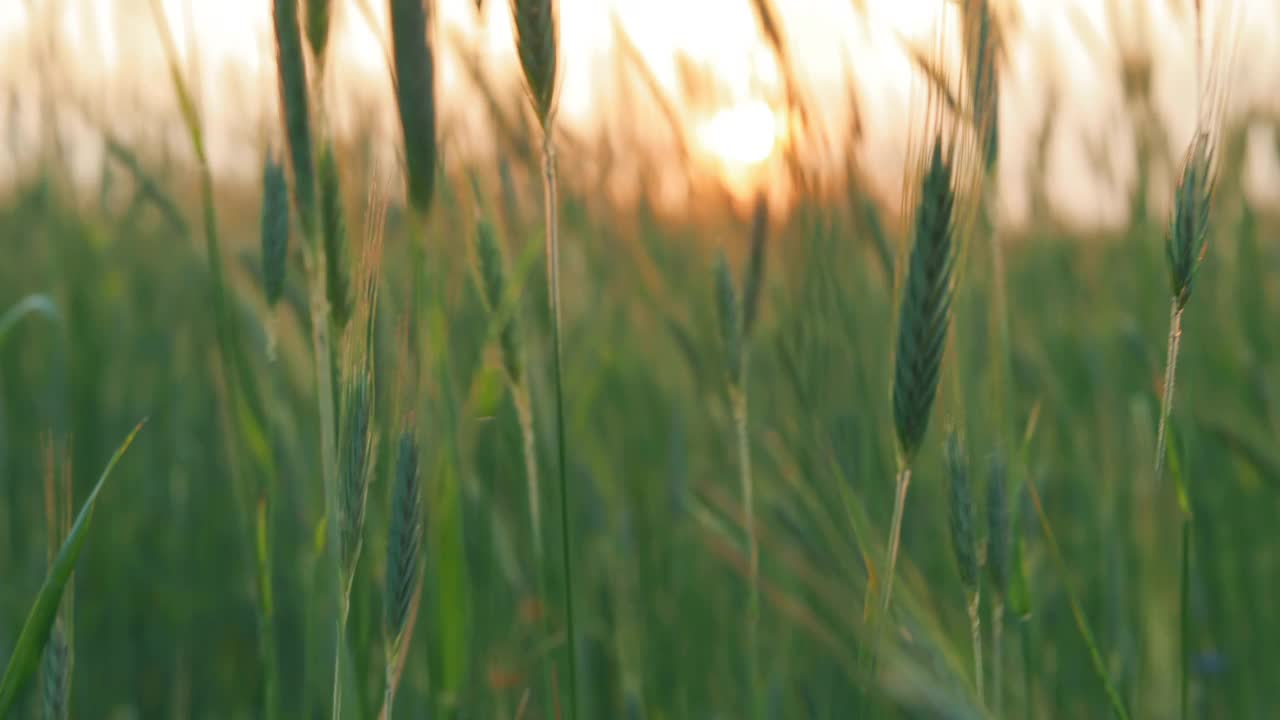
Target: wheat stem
{"x": 1185, "y": 618}
{"x": 524, "y": 413}
{"x": 974, "y": 607}
{"x": 997, "y": 656}
{"x": 553, "y": 290}
{"x": 738, "y": 398}
{"x": 1170, "y": 376}
{"x": 895, "y": 534}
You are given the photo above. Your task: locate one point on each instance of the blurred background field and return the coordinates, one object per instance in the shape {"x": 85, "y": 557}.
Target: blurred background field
{"x": 670, "y": 132}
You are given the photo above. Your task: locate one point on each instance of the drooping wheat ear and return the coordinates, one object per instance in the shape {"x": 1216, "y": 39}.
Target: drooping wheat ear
{"x": 404, "y": 576}
{"x": 296, "y": 109}
{"x": 998, "y": 541}
{"x": 319, "y": 15}
{"x": 730, "y": 316}
{"x": 333, "y": 227}
{"x": 964, "y": 542}
{"x": 926, "y": 307}
{"x": 415, "y": 98}
{"x": 275, "y": 230}
{"x": 356, "y": 464}
{"x": 754, "y": 280}
{"x": 536, "y": 42}
{"x": 493, "y": 277}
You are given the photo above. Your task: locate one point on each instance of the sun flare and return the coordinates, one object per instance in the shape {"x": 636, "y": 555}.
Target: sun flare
{"x": 741, "y": 135}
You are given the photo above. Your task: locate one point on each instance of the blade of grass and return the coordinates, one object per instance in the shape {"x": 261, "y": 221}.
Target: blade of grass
{"x": 35, "y": 631}
{"x": 29, "y": 305}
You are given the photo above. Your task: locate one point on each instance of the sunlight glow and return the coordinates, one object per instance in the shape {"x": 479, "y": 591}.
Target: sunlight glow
{"x": 743, "y": 134}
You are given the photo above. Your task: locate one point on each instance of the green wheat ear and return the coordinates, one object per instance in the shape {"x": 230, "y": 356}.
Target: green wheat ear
{"x": 926, "y": 306}
{"x": 754, "y": 280}
{"x": 333, "y": 227}
{"x": 1187, "y": 239}
{"x": 404, "y": 574}
{"x": 536, "y": 36}
{"x": 319, "y": 15}
{"x": 294, "y": 102}
{"x": 493, "y": 275}
{"x": 415, "y": 97}
{"x": 275, "y": 230}
{"x": 356, "y": 444}
{"x": 963, "y": 537}
{"x": 404, "y": 539}
{"x": 729, "y": 315}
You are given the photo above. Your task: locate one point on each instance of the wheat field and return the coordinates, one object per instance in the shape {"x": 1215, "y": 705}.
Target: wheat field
{"x": 468, "y": 436}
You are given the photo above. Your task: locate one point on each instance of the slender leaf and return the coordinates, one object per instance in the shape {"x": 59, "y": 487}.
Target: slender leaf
{"x": 35, "y": 631}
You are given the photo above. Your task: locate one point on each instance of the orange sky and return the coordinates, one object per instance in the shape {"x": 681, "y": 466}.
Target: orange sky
{"x": 735, "y": 122}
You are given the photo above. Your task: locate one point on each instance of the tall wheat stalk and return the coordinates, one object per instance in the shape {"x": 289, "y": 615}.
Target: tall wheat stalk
{"x": 537, "y": 41}
{"x": 1185, "y": 247}
{"x": 296, "y": 110}
{"x": 922, "y": 333}
{"x": 737, "y": 317}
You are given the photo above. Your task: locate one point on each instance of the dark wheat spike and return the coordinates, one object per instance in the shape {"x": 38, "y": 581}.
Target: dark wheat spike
{"x": 536, "y": 36}
{"x": 1187, "y": 237}
{"x": 294, "y": 105}
{"x": 494, "y": 277}
{"x": 319, "y": 16}
{"x": 751, "y": 284}
{"x": 404, "y": 540}
{"x": 334, "y": 229}
{"x": 963, "y": 538}
{"x": 998, "y": 525}
{"x": 926, "y": 307}
{"x": 415, "y": 98}
{"x": 275, "y": 230}
{"x": 357, "y": 452}
{"x": 730, "y": 319}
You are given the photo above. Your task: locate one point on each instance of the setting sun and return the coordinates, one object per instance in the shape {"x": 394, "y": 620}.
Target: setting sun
{"x": 742, "y": 135}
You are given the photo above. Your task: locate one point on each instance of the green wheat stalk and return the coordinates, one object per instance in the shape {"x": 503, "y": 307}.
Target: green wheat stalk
{"x": 295, "y": 106}
{"x": 537, "y": 47}
{"x": 922, "y": 334}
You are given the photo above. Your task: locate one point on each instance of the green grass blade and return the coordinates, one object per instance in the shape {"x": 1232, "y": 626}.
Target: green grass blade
{"x": 29, "y": 305}
{"x": 35, "y": 631}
